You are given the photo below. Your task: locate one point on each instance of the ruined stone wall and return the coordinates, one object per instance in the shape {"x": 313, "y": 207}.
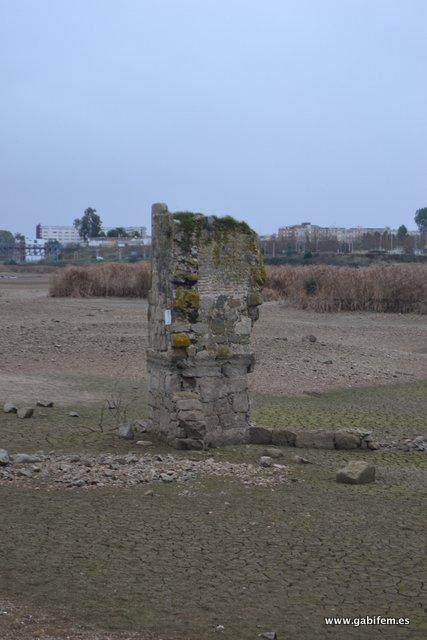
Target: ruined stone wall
{"x": 206, "y": 278}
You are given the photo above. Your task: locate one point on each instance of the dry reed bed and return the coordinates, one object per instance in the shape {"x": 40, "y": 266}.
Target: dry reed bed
{"x": 112, "y": 279}
{"x": 384, "y": 288}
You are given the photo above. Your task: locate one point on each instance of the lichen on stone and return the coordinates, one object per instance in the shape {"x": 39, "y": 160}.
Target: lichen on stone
{"x": 180, "y": 340}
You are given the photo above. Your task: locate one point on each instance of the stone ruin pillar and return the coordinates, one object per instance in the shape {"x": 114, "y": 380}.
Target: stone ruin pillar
{"x": 207, "y": 274}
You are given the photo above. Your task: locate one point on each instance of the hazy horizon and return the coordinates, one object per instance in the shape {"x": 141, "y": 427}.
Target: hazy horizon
{"x": 275, "y": 113}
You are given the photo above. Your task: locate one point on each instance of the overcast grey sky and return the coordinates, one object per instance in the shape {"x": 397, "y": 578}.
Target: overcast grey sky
{"x": 273, "y": 111}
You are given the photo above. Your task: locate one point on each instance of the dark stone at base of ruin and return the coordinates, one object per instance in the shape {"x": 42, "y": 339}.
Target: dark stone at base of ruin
{"x": 318, "y": 439}
{"x": 315, "y": 439}
{"x": 260, "y": 435}
{"x": 283, "y": 437}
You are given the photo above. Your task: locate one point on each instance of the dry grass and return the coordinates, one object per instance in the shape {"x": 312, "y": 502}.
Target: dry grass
{"x": 113, "y": 279}
{"x": 384, "y": 288}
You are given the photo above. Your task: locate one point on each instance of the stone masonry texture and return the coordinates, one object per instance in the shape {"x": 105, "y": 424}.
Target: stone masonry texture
{"x": 207, "y": 274}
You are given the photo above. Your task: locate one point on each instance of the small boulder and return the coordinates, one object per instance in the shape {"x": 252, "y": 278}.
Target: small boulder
{"x": 144, "y": 443}
{"x": 125, "y": 431}
{"x": 25, "y": 412}
{"x": 8, "y": 407}
{"x": 309, "y": 338}
{"x": 272, "y": 452}
{"x": 142, "y": 426}
{"x": 44, "y": 403}
{"x": 265, "y": 461}
{"x": 74, "y": 414}
{"x": 356, "y": 472}
{"x": 301, "y": 460}
{"x": 4, "y": 457}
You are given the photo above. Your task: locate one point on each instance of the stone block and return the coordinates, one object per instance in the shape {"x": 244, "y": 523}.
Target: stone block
{"x": 283, "y": 437}
{"x": 260, "y": 435}
{"x": 347, "y": 439}
{"x": 315, "y": 439}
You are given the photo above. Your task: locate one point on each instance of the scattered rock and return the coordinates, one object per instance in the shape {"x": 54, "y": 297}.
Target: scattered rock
{"x": 272, "y": 452}
{"x": 44, "y": 403}
{"x": 309, "y": 338}
{"x": 4, "y": 457}
{"x": 78, "y": 483}
{"x": 265, "y": 461}
{"x": 356, "y": 472}
{"x": 373, "y": 445}
{"x": 149, "y": 492}
{"x": 74, "y": 414}
{"x": 313, "y": 394}
{"x": 25, "y": 412}
{"x": 75, "y": 458}
{"x": 26, "y": 458}
{"x": 144, "y": 443}
{"x": 25, "y": 473}
{"x": 142, "y": 426}
{"x": 166, "y": 477}
{"x": 125, "y": 431}
{"x": 8, "y": 407}
{"x": 418, "y": 443}
{"x": 301, "y": 460}
{"x": 269, "y": 635}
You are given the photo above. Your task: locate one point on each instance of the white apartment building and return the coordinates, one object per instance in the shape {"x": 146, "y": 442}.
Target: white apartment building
{"x": 64, "y": 234}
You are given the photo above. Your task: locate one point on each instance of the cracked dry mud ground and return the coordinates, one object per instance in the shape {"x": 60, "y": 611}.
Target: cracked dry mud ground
{"x": 114, "y": 563}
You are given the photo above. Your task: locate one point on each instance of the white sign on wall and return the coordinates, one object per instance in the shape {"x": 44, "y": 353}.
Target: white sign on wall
{"x": 168, "y": 316}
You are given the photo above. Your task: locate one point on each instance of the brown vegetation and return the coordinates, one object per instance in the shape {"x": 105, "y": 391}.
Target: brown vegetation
{"x": 112, "y": 279}
{"x": 389, "y": 288}
{"x": 385, "y": 288}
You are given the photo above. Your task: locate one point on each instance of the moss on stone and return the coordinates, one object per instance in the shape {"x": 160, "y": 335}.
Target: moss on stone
{"x": 259, "y": 274}
{"x": 223, "y": 352}
{"x": 254, "y": 299}
{"x": 180, "y": 340}
{"x": 228, "y": 224}
{"x": 184, "y": 299}
{"x": 188, "y": 278}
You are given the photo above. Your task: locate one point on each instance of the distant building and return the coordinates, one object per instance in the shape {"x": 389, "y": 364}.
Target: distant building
{"x": 141, "y": 231}
{"x": 63, "y": 234}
